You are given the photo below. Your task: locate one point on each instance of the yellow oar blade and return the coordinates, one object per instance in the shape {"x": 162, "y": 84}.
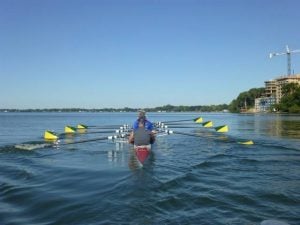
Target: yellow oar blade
{"x": 81, "y": 126}
{"x": 198, "y": 120}
{"x": 207, "y": 124}
{"x": 70, "y": 130}
{"x": 222, "y": 129}
{"x": 81, "y": 131}
{"x": 250, "y": 142}
{"x": 49, "y": 135}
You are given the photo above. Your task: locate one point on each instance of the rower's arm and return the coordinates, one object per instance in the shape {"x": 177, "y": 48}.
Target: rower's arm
{"x": 131, "y": 138}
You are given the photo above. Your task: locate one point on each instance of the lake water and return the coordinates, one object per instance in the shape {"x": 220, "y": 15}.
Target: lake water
{"x": 210, "y": 179}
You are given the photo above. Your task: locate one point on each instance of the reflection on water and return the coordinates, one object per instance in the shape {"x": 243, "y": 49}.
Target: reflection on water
{"x": 116, "y": 153}
{"x": 278, "y": 125}
{"x": 272, "y": 125}
{"x": 133, "y": 162}
{"x": 289, "y": 128}
{"x": 212, "y": 136}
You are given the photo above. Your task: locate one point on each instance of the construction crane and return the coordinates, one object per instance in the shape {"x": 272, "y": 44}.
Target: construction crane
{"x": 288, "y": 54}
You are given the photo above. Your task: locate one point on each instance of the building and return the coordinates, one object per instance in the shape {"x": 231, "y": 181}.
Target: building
{"x": 263, "y": 104}
{"x": 281, "y": 81}
{"x": 273, "y": 92}
{"x": 270, "y": 88}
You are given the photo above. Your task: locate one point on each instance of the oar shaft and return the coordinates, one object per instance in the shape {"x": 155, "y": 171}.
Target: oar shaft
{"x": 174, "y": 123}
{"x": 243, "y": 142}
{"x": 187, "y": 134}
{"x": 182, "y": 126}
{"x": 178, "y": 121}
{"x": 107, "y": 126}
{"x": 94, "y": 139}
{"x": 106, "y": 131}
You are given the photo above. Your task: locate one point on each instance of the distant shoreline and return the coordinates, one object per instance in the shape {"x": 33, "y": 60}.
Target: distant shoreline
{"x": 99, "y": 111}
{"x": 166, "y": 108}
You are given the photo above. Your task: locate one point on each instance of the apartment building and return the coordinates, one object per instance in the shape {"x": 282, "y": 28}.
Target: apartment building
{"x": 273, "y": 92}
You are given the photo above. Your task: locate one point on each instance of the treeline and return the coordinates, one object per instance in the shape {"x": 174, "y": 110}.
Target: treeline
{"x": 166, "y": 108}
{"x": 290, "y": 103}
{"x": 69, "y": 110}
{"x": 198, "y": 108}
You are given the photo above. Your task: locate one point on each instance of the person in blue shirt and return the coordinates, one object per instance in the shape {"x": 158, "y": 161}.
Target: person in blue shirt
{"x": 143, "y": 131}
{"x": 142, "y": 116}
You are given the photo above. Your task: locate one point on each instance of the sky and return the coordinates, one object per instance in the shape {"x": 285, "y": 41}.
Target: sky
{"x": 141, "y": 53}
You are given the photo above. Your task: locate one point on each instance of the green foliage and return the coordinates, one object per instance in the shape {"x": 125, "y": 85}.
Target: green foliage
{"x": 166, "y": 108}
{"x": 246, "y": 98}
{"x": 198, "y": 108}
{"x": 290, "y": 102}
{"x": 294, "y": 109}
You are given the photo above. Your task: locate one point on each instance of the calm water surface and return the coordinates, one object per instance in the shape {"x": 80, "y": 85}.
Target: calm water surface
{"x": 210, "y": 179}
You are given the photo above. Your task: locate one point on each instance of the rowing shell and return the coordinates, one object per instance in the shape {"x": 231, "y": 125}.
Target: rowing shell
{"x": 142, "y": 152}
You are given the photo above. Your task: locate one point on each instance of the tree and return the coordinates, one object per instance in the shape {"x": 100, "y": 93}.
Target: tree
{"x": 246, "y": 99}
{"x": 290, "y": 102}
{"x": 289, "y": 89}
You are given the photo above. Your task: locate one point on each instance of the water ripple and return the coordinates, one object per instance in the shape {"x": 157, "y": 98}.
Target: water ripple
{"x": 209, "y": 180}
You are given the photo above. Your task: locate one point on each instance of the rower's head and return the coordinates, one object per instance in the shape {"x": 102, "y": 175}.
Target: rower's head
{"x": 141, "y": 114}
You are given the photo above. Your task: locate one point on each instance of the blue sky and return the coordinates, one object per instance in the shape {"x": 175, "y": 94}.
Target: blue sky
{"x": 141, "y": 53}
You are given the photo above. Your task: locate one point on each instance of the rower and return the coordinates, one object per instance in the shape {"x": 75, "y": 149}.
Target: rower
{"x": 142, "y": 133}
{"x": 147, "y": 123}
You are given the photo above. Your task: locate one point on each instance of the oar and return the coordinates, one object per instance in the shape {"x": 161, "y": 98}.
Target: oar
{"x": 95, "y": 139}
{"x": 220, "y": 129}
{"x": 196, "y": 120}
{"x": 247, "y": 142}
{"x": 207, "y": 124}
{"x": 50, "y": 135}
{"x": 79, "y": 129}
{"x": 33, "y": 146}
{"x": 83, "y": 126}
